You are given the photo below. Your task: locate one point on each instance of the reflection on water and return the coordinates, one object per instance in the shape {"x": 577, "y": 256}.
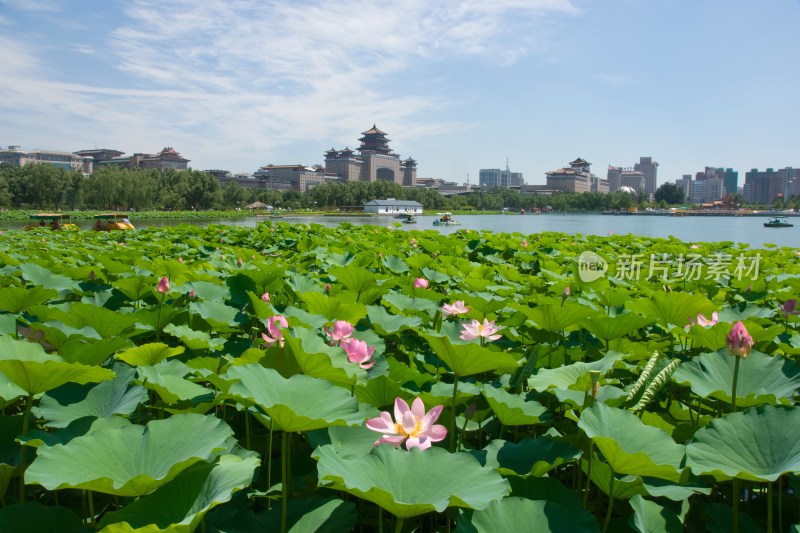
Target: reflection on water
{"x": 749, "y": 230}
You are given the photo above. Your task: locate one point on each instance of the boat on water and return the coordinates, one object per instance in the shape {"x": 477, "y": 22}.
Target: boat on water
{"x": 778, "y": 222}
{"x": 54, "y": 221}
{"x": 445, "y": 219}
{"x": 112, "y": 222}
{"x": 409, "y": 219}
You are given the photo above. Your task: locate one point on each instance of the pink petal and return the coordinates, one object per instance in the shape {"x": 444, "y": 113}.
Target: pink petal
{"x": 436, "y": 433}
{"x": 418, "y": 442}
{"x": 400, "y": 407}
{"x": 409, "y": 422}
{"x": 367, "y": 366}
{"x": 418, "y": 409}
{"x": 431, "y": 417}
{"x": 390, "y": 439}
{"x": 383, "y": 423}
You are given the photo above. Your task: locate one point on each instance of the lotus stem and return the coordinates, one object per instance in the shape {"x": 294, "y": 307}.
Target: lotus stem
{"x": 23, "y": 459}
{"x": 247, "y": 426}
{"x": 398, "y": 525}
{"x": 380, "y": 519}
{"x": 769, "y": 507}
{"x": 284, "y": 480}
{"x": 610, "y": 507}
{"x": 780, "y": 505}
{"x": 735, "y": 383}
{"x": 588, "y": 473}
{"x": 268, "y": 458}
{"x": 453, "y": 418}
{"x": 735, "y": 503}
{"x": 158, "y": 320}
{"x": 91, "y": 506}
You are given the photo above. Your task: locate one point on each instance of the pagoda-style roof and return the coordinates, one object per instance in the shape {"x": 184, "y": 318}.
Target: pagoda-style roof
{"x": 579, "y": 162}
{"x": 373, "y": 131}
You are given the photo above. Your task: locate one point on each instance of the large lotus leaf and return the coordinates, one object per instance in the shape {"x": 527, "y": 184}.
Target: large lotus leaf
{"x": 297, "y": 316}
{"x": 522, "y": 515}
{"x": 207, "y": 290}
{"x": 9, "y": 392}
{"x": 395, "y": 264}
{"x": 194, "y": 339}
{"x": 34, "y": 518}
{"x": 556, "y": 317}
{"x": 347, "y": 440}
{"x": 759, "y": 444}
{"x": 648, "y": 516}
{"x": 107, "y": 323}
{"x": 16, "y": 299}
{"x": 762, "y": 379}
{"x": 659, "y": 488}
{"x": 27, "y": 366}
{"x": 168, "y": 380}
{"x": 217, "y": 314}
{"x": 469, "y": 358}
{"x": 135, "y": 287}
{"x": 441, "y": 393}
{"x": 379, "y": 391}
{"x": 553, "y": 490}
{"x": 108, "y": 398}
{"x": 411, "y": 483}
{"x": 10, "y": 428}
{"x": 565, "y": 377}
{"x": 356, "y": 279}
{"x": 333, "y": 308}
{"x": 608, "y": 328}
{"x": 529, "y": 457}
{"x": 130, "y": 460}
{"x": 408, "y": 304}
{"x": 512, "y": 409}
{"x": 324, "y": 515}
{"x": 184, "y": 501}
{"x": 149, "y": 354}
{"x": 622, "y": 487}
{"x": 300, "y": 403}
{"x": 672, "y": 309}
{"x": 92, "y": 352}
{"x": 40, "y": 276}
{"x": 386, "y": 323}
{"x": 720, "y": 520}
{"x": 712, "y": 338}
{"x": 631, "y": 447}
{"x": 318, "y": 359}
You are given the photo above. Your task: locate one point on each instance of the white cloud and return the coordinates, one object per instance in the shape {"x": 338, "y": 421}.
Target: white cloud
{"x": 33, "y": 5}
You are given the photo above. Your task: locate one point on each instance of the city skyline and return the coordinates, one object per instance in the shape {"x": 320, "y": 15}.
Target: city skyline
{"x": 458, "y": 86}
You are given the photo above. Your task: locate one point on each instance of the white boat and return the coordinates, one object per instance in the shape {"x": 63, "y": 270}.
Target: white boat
{"x": 445, "y": 219}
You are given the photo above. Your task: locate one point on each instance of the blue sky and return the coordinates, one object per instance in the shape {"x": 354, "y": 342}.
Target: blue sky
{"x": 458, "y": 86}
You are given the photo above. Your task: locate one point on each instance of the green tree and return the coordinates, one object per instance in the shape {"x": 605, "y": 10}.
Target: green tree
{"x": 670, "y": 193}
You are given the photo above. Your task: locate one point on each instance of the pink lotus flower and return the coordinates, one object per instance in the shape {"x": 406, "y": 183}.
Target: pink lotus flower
{"x": 358, "y": 352}
{"x": 275, "y": 332}
{"x": 739, "y": 341}
{"x": 565, "y": 292}
{"x": 180, "y": 260}
{"x": 476, "y": 330}
{"x": 524, "y": 243}
{"x": 694, "y": 247}
{"x": 412, "y": 425}
{"x": 265, "y": 297}
{"x": 92, "y": 275}
{"x": 192, "y": 294}
{"x": 789, "y": 308}
{"x": 239, "y": 262}
{"x": 163, "y": 285}
{"x": 456, "y": 308}
{"x": 327, "y": 287}
{"x": 342, "y": 329}
{"x": 421, "y": 283}
{"x": 702, "y": 321}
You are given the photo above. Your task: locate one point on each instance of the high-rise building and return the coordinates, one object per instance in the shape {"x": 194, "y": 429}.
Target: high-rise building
{"x": 731, "y": 179}
{"x": 576, "y": 178}
{"x": 685, "y": 185}
{"x": 614, "y": 177}
{"x": 375, "y": 161}
{"x": 649, "y": 169}
{"x": 495, "y": 177}
{"x": 762, "y": 187}
{"x": 633, "y": 179}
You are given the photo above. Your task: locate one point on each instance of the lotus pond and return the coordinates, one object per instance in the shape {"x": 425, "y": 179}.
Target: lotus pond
{"x": 302, "y": 378}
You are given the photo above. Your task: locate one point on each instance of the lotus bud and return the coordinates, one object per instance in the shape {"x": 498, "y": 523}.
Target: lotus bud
{"x": 192, "y": 294}
{"x": 739, "y": 341}
{"x": 265, "y": 297}
{"x": 163, "y": 285}
{"x": 524, "y": 243}
{"x": 595, "y": 375}
{"x": 239, "y": 262}
{"x": 92, "y": 275}
{"x": 180, "y": 260}
{"x": 421, "y": 283}
{"x": 565, "y": 293}
{"x": 471, "y": 409}
{"x": 327, "y": 287}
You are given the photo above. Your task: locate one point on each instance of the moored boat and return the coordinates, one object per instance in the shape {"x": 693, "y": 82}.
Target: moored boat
{"x": 778, "y": 222}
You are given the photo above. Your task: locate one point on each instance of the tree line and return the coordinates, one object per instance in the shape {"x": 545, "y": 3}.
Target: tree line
{"x": 40, "y": 186}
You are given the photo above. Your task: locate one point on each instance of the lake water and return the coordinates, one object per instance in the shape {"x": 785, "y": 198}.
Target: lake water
{"x": 748, "y": 229}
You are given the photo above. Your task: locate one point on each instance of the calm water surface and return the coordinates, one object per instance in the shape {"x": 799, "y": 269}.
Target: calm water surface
{"x": 748, "y": 230}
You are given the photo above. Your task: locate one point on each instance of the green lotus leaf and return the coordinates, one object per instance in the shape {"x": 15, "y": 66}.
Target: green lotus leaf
{"x": 185, "y": 500}
{"x": 434, "y": 276}
{"x": 513, "y": 409}
{"x": 567, "y": 376}
{"x": 34, "y": 518}
{"x": 130, "y": 460}
{"x": 712, "y": 338}
{"x": 659, "y": 488}
{"x": 333, "y": 308}
{"x": 671, "y": 309}
{"x": 135, "y": 287}
{"x": 9, "y": 392}
{"x": 297, "y": 316}
{"x": 207, "y": 290}
{"x": 553, "y": 490}
{"x": 408, "y": 304}
{"x": 520, "y": 514}
{"x": 354, "y": 278}
{"x": 529, "y": 457}
{"x": 649, "y": 516}
{"x": 468, "y": 359}
{"x": 300, "y": 403}
{"x": 108, "y": 398}
{"x": 303, "y": 515}
{"x": 168, "y": 380}
{"x": 17, "y": 299}
{"x": 441, "y": 393}
{"x": 149, "y": 354}
{"x": 386, "y": 323}
{"x": 10, "y": 428}
{"x": 379, "y": 391}
{"x": 631, "y": 447}
{"x": 301, "y": 284}
{"x": 720, "y": 519}
{"x": 759, "y": 444}
{"x": 411, "y": 483}
{"x": 347, "y": 440}
{"x": 194, "y": 339}
{"x": 762, "y": 379}
{"x": 556, "y": 317}
{"x": 28, "y": 367}
{"x": 40, "y": 276}
{"x": 92, "y": 352}
{"x": 395, "y": 264}
{"x": 609, "y": 328}
{"x": 317, "y": 359}
{"x": 107, "y": 323}
{"x": 622, "y": 487}
{"x": 217, "y": 314}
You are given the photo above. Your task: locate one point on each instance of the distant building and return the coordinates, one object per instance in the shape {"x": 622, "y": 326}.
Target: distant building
{"x": 763, "y": 187}
{"x": 16, "y": 157}
{"x": 166, "y": 158}
{"x": 301, "y": 178}
{"x": 576, "y": 178}
{"x": 685, "y": 185}
{"x": 99, "y": 154}
{"x": 375, "y": 161}
{"x": 649, "y": 169}
{"x": 495, "y": 177}
{"x": 707, "y": 190}
{"x": 614, "y": 177}
{"x": 391, "y": 206}
{"x": 634, "y": 179}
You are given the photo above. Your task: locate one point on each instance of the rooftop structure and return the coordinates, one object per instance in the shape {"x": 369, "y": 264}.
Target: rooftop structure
{"x": 166, "y": 158}
{"x": 576, "y": 178}
{"x": 375, "y": 161}
{"x": 17, "y": 157}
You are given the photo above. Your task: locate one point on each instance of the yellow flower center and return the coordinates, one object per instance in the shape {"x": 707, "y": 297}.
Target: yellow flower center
{"x": 398, "y": 427}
